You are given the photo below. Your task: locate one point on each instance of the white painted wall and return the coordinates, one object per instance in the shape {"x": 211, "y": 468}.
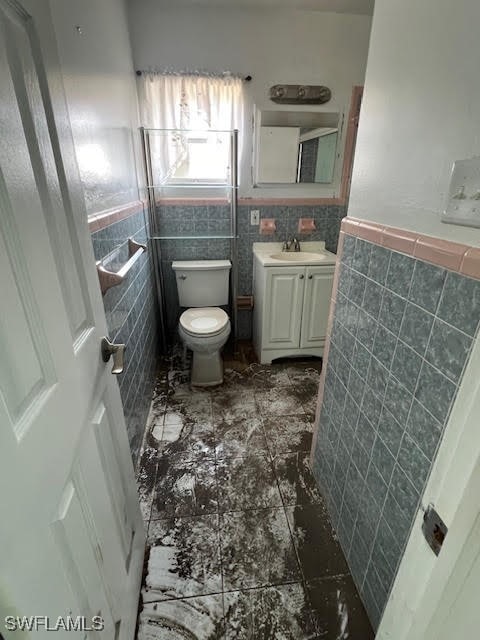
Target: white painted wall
{"x": 101, "y": 96}
{"x": 420, "y": 112}
{"x": 274, "y": 46}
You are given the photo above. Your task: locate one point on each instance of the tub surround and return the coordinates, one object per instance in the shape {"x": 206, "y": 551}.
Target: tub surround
{"x": 130, "y": 309}
{"x": 405, "y": 311}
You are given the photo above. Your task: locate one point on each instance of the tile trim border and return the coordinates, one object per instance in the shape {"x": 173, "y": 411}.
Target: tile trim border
{"x": 462, "y": 258}
{"x": 102, "y": 219}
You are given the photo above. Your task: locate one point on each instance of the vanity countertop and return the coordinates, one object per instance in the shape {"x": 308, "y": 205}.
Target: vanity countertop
{"x": 270, "y": 254}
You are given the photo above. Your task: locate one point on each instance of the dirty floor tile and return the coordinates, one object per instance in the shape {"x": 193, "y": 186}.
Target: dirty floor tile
{"x": 239, "y": 543}
{"x": 184, "y": 558}
{"x": 281, "y": 611}
{"x": 295, "y": 479}
{"x": 257, "y": 549}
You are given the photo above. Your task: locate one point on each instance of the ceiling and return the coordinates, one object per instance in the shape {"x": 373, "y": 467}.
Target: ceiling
{"x": 362, "y": 7}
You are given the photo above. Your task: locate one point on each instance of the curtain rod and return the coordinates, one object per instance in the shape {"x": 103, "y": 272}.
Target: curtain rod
{"x": 211, "y": 74}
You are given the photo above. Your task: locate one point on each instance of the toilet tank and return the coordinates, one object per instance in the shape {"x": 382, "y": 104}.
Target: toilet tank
{"x": 202, "y": 283}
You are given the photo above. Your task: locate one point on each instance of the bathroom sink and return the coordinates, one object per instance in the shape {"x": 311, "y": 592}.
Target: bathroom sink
{"x": 298, "y": 256}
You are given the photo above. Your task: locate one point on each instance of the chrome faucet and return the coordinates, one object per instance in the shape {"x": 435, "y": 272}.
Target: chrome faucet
{"x": 291, "y": 245}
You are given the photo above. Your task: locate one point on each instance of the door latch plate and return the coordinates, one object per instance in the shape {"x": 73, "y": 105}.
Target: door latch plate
{"x": 434, "y": 529}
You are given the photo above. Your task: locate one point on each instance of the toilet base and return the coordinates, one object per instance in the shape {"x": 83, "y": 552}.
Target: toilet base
{"x": 207, "y": 369}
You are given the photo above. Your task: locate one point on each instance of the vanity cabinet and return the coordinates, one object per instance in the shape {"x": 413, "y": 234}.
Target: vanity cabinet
{"x": 291, "y": 310}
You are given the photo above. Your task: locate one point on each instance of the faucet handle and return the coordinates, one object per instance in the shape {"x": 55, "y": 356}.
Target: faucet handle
{"x": 296, "y": 244}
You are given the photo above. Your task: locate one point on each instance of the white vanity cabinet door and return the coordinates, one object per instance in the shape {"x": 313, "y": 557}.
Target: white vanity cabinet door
{"x": 318, "y": 291}
{"x": 282, "y": 317}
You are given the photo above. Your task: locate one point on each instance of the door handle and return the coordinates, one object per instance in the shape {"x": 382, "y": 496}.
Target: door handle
{"x": 310, "y": 277}
{"x": 301, "y": 276}
{"x": 112, "y": 349}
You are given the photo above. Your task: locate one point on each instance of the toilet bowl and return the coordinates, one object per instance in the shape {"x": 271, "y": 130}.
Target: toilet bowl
{"x": 205, "y": 330}
{"x": 203, "y": 286}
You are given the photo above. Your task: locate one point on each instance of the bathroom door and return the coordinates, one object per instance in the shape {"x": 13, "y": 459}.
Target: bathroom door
{"x": 71, "y": 534}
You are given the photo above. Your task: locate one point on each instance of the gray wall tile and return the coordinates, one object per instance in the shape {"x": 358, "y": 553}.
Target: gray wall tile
{"x": 366, "y": 329}
{"x": 413, "y": 462}
{"x": 424, "y": 429}
{"x": 406, "y": 366}
{"x": 435, "y": 391}
{"x": 448, "y": 349}
{"x": 390, "y": 431}
{"x": 365, "y": 433}
{"x": 383, "y": 459}
{"x": 416, "y": 327}
{"x": 384, "y": 345}
{"x": 388, "y": 394}
{"x": 361, "y": 258}
{"x": 460, "y": 303}
{"x": 391, "y": 311}
{"x": 379, "y": 261}
{"x": 376, "y": 484}
{"x": 400, "y": 273}
{"x": 398, "y": 400}
{"x": 371, "y": 406}
{"x": 361, "y": 358}
{"x": 427, "y": 285}
{"x": 130, "y": 309}
{"x": 372, "y": 298}
{"x": 357, "y": 288}
{"x": 215, "y": 219}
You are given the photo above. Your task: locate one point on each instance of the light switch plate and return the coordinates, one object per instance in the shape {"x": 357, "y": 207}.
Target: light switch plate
{"x": 255, "y": 216}
{"x": 463, "y": 202}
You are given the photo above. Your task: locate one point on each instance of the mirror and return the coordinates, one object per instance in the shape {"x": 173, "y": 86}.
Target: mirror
{"x": 295, "y": 147}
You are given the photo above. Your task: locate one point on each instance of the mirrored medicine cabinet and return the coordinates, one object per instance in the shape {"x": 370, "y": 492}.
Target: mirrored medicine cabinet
{"x": 294, "y": 147}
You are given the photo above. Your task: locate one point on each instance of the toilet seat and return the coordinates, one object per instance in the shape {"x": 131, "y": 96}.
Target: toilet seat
{"x": 204, "y": 321}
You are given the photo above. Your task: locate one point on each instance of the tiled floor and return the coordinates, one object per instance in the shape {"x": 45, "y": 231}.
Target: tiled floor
{"x": 239, "y": 541}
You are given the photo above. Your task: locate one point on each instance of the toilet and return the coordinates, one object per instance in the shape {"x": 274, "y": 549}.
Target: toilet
{"x": 204, "y": 327}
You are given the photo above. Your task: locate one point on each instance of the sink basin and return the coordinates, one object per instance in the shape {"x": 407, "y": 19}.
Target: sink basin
{"x": 298, "y": 256}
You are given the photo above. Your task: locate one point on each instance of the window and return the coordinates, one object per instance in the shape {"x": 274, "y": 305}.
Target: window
{"x": 193, "y": 114}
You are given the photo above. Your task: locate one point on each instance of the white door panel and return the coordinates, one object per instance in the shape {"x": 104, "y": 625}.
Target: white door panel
{"x": 116, "y": 482}
{"x": 81, "y": 555}
{"x": 73, "y": 539}
{"x": 31, "y": 109}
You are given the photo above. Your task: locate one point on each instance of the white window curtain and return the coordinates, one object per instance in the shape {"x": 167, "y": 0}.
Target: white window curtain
{"x": 199, "y": 103}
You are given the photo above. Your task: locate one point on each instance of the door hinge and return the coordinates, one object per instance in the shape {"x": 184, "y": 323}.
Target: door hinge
{"x": 434, "y": 529}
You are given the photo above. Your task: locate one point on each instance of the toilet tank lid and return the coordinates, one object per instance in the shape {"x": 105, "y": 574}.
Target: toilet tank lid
{"x": 200, "y": 265}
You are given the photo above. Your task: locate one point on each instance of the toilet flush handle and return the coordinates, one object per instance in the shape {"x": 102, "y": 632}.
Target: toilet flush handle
{"x": 182, "y": 277}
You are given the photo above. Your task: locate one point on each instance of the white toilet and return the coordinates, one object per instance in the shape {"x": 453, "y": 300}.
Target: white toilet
{"x": 204, "y": 328}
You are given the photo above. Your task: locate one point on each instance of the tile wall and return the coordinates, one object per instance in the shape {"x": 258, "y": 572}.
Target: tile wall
{"x": 215, "y": 219}
{"x": 130, "y": 310}
{"x": 401, "y": 336}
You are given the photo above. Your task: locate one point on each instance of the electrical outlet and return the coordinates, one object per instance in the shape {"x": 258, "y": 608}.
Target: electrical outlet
{"x": 254, "y": 217}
